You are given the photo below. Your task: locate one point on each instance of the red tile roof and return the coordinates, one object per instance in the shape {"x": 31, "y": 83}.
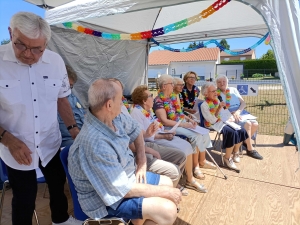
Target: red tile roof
{"x": 164, "y": 57}
{"x": 236, "y": 50}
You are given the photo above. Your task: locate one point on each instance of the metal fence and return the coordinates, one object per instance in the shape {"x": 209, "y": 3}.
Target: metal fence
{"x": 269, "y": 105}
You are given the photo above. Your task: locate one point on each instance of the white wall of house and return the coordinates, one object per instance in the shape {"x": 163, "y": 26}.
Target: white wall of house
{"x": 204, "y": 69}
{"x": 153, "y": 71}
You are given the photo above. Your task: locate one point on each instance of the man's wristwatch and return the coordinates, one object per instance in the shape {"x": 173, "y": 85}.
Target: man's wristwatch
{"x": 72, "y": 126}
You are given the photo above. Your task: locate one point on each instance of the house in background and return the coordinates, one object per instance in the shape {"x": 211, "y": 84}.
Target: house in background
{"x": 202, "y": 61}
{"x": 249, "y": 55}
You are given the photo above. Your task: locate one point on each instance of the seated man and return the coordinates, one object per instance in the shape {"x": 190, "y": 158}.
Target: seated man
{"x": 77, "y": 109}
{"x": 102, "y": 167}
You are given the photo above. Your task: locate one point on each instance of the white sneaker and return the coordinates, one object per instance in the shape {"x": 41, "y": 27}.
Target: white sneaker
{"x": 229, "y": 162}
{"x": 236, "y": 157}
{"x": 70, "y": 221}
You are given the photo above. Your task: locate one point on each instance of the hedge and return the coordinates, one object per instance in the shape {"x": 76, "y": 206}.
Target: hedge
{"x": 254, "y": 63}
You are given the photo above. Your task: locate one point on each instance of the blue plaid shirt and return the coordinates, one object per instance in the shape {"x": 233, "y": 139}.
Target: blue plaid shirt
{"x": 101, "y": 164}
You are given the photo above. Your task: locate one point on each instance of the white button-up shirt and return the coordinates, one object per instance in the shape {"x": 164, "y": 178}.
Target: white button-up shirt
{"x": 28, "y": 104}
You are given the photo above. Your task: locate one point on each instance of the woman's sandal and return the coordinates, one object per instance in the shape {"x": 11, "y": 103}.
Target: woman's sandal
{"x": 183, "y": 190}
{"x": 198, "y": 174}
{"x": 196, "y": 186}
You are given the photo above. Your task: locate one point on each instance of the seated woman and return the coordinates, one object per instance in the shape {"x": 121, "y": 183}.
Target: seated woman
{"x": 236, "y": 105}
{"x": 232, "y": 139}
{"x": 169, "y": 112}
{"x": 160, "y": 159}
{"x": 172, "y": 147}
{"x": 190, "y": 92}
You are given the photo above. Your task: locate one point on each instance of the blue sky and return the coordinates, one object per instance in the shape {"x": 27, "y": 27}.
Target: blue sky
{"x": 10, "y": 7}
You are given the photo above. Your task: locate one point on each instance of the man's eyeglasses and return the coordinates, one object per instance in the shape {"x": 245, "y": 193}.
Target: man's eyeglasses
{"x": 23, "y": 48}
{"x": 150, "y": 96}
{"x": 180, "y": 85}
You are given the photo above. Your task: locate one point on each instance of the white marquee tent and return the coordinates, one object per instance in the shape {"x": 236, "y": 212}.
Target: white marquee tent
{"x": 94, "y": 57}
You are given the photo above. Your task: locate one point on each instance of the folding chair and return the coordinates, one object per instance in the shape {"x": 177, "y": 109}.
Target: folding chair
{"x": 4, "y": 179}
{"x": 78, "y": 213}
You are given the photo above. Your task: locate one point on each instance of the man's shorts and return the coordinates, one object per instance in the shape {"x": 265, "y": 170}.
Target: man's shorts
{"x": 131, "y": 208}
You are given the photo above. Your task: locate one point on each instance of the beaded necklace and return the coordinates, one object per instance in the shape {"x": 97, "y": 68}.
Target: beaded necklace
{"x": 148, "y": 115}
{"x": 228, "y": 96}
{"x": 125, "y": 103}
{"x": 172, "y": 114}
{"x": 213, "y": 105}
{"x": 191, "y": 104}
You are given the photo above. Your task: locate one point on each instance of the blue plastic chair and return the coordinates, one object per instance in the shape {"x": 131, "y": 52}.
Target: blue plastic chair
{"x": 78, "y": 213}
{"x": 4, "y": 179}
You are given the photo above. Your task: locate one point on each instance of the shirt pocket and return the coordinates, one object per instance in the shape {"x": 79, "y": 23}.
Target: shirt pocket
{"x": 52, "y": 87}
{"x": 10, "y": 91}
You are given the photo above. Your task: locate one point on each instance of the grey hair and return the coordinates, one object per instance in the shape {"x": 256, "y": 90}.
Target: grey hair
{"x": 163, "y": 79}
{"x": 206, "y": 86}
{"x": 100, "y": 92}
{"x": 31, "y": 25}
{"x": 221, "y": 77}
{"x": 176, "y": 80}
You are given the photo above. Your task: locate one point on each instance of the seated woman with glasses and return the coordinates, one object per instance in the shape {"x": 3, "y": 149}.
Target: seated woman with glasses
{"x": 171, "y": 148}
{"x": 232, "y": 139}
{"x": 190, "y": 92}
{"x": 236, "y": 105}
{"x": 168, "y": 111}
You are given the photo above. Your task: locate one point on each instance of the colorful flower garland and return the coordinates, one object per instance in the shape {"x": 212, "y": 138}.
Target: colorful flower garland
{"x": 125, "y": 103}
{"x": 148, "y": 115}
{"x": 213, "y": 105}
{"x": 217, "y": 44}
{"x": 196, "y": 93}
{"x": 171, "y": 114}
{"x": 181, "y": 100}
{"x": 228, "y": 96}
{"x": 152, "y": 33}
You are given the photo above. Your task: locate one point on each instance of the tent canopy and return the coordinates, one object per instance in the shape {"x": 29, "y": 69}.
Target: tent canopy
{"x": 239, "y": 18}
{"x": 233, "y": 20}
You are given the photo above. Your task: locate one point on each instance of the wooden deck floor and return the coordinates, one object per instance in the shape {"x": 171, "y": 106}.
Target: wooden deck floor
{"x": 264, "y": 192}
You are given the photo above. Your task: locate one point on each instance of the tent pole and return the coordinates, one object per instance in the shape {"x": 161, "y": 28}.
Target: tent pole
{"x": 146, "y": 62}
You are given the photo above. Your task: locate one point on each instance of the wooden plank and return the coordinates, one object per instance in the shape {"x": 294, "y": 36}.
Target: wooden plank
{"x": 278, "y": 166}
{"x": 243, "y": 201}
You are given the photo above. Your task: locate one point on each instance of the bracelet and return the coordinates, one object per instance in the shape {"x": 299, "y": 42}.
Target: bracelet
{"x": 1, "y": 136}
{"x": 72, "y": 126}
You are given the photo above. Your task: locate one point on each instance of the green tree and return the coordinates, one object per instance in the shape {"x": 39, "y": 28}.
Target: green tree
{"x": 194, "y": 44}
{"x": 5, "y": 41}
{"x": 268, "y": 55}
{"x": 224, "y": 43}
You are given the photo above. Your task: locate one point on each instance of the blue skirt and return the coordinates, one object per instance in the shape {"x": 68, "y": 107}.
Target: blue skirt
{"x": 232, "y": 136}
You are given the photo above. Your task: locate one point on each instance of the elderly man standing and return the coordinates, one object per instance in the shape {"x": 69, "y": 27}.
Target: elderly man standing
{"x": 102, "y": 166}
{"x": 33, "y": 86}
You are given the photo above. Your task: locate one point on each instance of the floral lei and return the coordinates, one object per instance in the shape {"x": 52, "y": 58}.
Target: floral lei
{"x": 125, "y": 103}
{"x": 148, "y": 115}
{"x": 172, "y": 115}
{"x": 213, "y": 105}
{"x": 181, "y": 100}
{"x": 228, "y": 96}
{"x": 196, "y": 93}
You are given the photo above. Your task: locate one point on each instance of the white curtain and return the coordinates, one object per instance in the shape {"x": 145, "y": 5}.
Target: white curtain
{"x": 282, "y": 18}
